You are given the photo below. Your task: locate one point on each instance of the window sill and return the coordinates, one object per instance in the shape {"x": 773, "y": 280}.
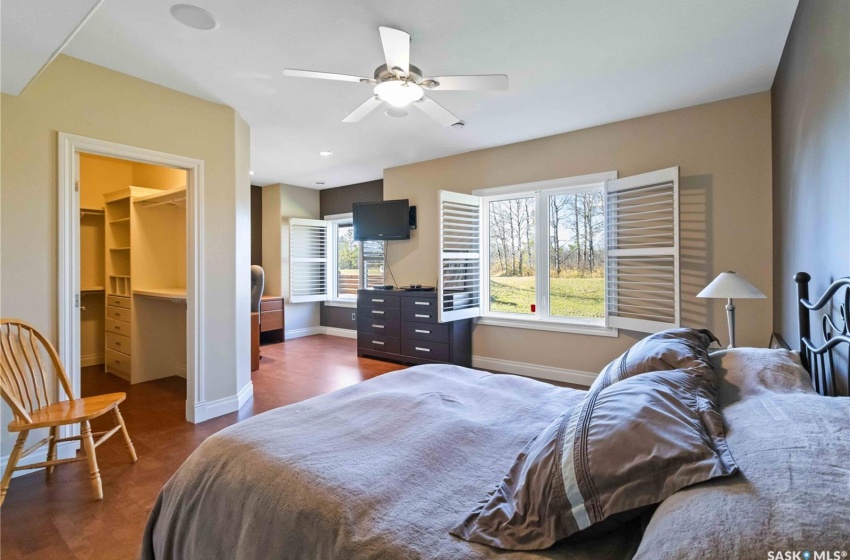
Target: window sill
{"x": 351, "y": 304}
{"x": 551, "y": 326}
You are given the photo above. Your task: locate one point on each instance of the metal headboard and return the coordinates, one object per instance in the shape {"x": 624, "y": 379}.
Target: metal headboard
{"x": 819, "y": 360}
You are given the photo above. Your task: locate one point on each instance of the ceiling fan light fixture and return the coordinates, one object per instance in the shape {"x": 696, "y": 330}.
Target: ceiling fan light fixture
{"x": 399, "y": 93}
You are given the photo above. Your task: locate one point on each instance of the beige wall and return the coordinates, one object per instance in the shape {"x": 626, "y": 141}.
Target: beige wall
{"x": 281, "y": 202}
{"x": 77, "y": 97}
{"x": 723, "y": 150}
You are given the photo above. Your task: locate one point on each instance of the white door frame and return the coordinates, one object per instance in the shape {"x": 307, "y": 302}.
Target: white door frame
{"x": 70, "y": 146}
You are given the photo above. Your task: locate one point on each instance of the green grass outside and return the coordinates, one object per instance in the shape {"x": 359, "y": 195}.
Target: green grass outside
{"x": 570, "y": 297}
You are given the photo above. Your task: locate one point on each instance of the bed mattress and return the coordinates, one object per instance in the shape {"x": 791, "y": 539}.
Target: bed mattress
{"x": 381, "y": 469}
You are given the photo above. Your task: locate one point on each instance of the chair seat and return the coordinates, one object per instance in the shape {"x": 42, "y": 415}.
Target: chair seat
{"x": 69, "y": 412}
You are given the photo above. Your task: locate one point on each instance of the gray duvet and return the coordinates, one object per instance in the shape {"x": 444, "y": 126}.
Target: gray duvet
{"x": 382, "y": 469}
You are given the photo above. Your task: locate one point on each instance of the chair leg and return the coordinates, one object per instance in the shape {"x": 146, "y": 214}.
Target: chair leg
{"x": 120, "y": 421}
{"x": 14, "y": 456}
{"x": 88, "y": 443}
{"x": 51, "y": 448}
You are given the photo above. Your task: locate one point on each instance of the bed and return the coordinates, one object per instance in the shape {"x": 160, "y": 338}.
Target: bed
{"x": 385, "y": 468}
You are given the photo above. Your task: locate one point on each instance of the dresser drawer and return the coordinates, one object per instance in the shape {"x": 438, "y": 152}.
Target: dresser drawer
{"x": 118, "y": 313}
{"x": 270, "y": 304}
{"x": 387, "y": 313}
{"x": 116, "y": 362}
{"x": 380, "y": 343}
{"x": 378, "y": 325}
{"x": 118, "y": 342}
{"x": 424, "y": 315}
{"x": 117, "y": 327}
{"x": 425, "y": 349}
{"x": 379, "y": 300}
{"x": 436, "y": 332}
{"x": 118, "y": 301}
{"x": 419, "y": 303}
{"x": 271, "y": 320}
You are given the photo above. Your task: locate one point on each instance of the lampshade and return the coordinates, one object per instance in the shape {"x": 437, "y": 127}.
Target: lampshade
{"x": 730, "y": 285}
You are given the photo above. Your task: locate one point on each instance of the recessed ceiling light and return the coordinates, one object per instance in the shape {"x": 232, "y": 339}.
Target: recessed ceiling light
{"x": 325, "y": 153}
{"x": 320, "y": 183}
{"x": 194, "y": 17}
{"x": 250, "y": 173}
{"x": 395, "y": 112}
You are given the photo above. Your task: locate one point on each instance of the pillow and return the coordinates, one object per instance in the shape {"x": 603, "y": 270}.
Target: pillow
{"x": 744, "y": 372}
{"x": 792, "y": 495}
{"x": 625, "y": 447}
{"x": 671, "y": 349}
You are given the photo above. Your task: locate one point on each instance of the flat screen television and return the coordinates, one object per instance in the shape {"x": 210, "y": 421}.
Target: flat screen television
{"x": 382, "y": 221}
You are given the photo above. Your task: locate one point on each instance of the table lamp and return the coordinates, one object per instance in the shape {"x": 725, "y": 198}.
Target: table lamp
{"x": 730, "y": 285}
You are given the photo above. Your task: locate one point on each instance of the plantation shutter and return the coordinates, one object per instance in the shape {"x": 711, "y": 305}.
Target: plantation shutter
{"x": 459, "y": 282}
{"x": 309, "y": 260}
{"x": 642, "y": 256}
{"x": 372, "y": 264}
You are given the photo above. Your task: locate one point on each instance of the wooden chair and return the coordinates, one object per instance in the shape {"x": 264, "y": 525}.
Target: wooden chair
{"x": 26, "y": 388}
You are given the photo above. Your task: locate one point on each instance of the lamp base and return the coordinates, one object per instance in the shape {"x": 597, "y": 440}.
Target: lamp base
{"x": 730, "y": 319}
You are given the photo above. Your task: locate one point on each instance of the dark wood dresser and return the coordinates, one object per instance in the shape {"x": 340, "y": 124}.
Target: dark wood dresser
{"x": 402, "y": 326}
{"x": 271, "y": 319}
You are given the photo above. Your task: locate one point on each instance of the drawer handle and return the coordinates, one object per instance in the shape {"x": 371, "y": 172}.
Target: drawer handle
{"x": 377, "y": 326}
{"x": 422, "y": 331}
{"x": 422, "y": 349}
{"x": 117, "y": 361}
{"x": 377, "y": 300}
{"x": 117, "y": 344}
{"x": 117, "y": 314}
{"x": 117, "y": 328}
{"x": 422, "y": 302}
{"x": 421, "y": 316}
{"x": 376, "y": 312}
{"x": 378, "y": 342}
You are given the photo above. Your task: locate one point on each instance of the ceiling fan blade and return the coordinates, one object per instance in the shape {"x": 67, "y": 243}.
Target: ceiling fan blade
{"x": 396, "y": 49}
{"x": 291, "y": 72}
{"x": 364, "y": 109}
{"x": 435, "y": 111}
{"x": 486, "y": 82}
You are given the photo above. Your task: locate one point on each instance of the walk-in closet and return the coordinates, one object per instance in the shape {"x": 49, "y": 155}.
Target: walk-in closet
{"x": 132, "y": 269}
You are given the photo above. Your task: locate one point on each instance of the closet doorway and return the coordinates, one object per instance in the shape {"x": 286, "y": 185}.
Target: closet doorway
{"x": 129, "y": 276}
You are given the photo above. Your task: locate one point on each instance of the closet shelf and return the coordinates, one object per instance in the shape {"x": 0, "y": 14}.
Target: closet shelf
{"x": 92, "y": 212}
{"x": 120, "y": 220}
{"x": 165, "y": 293}
{"x": 119, "y": 248}
{"x": 119, "y": 275}
{"x": 91, "y": 289}
{"x": 175, "y": 197}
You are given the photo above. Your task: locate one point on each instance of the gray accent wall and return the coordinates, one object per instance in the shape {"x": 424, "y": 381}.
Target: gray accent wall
{"x": 811, "y": 157}
{"x": 338, "y": 201}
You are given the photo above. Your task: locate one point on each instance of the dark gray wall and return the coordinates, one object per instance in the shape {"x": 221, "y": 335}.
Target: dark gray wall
{"x": 339, "y": 201}
{"x": 811, "y": 156}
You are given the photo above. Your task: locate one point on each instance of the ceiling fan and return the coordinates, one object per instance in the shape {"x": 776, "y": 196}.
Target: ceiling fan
{"x": 400, "y": 83}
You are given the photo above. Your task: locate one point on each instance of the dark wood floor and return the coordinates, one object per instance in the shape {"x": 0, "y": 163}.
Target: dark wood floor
{"x": 57, "y": 518}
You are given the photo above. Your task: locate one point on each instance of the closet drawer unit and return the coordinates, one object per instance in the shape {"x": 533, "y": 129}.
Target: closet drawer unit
{"x": 424, "y": 315}
{"x": 271, "y": 304}
{"x": 117, "y": 362}
{"x": 420, "y": 303}
{"x": 377, "y": 342}
{"x": 117, "y": 327}
{"x": 386, "y": 314}
{"x": 118, "y": 313}
{"x": 425, "y": 350}
{"x": 118, "y": 342}
{"x": 378, "y": 325}
{"x": 437, "y": 332}
{"x": 118, "y": 301}
{"x": 379, "y": 300}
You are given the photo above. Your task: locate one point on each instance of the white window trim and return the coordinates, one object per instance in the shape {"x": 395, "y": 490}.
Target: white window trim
{"x": 537, "y": 322}
{"x": 334, "y": 301}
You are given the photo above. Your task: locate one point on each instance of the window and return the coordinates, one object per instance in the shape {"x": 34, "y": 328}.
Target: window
{"x": 327, "y": 264}
{"x": 587, "y": 254}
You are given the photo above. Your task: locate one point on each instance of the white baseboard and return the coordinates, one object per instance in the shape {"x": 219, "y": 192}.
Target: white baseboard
{"x": 92, "y": 360}
{"x": 219, "y": 407}
{"x": 533, "y": 370}
{"x": 298, "y": 333}
{"x": 64, "y": 450}
{"x": 344, "y": 333}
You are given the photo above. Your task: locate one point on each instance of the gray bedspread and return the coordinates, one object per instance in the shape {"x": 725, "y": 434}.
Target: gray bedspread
{"x": 381, "y": 469}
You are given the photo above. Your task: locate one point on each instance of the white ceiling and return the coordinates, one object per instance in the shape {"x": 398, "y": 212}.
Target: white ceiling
{"x": 572, "y": 64}
{"x": 31, "y": 33}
